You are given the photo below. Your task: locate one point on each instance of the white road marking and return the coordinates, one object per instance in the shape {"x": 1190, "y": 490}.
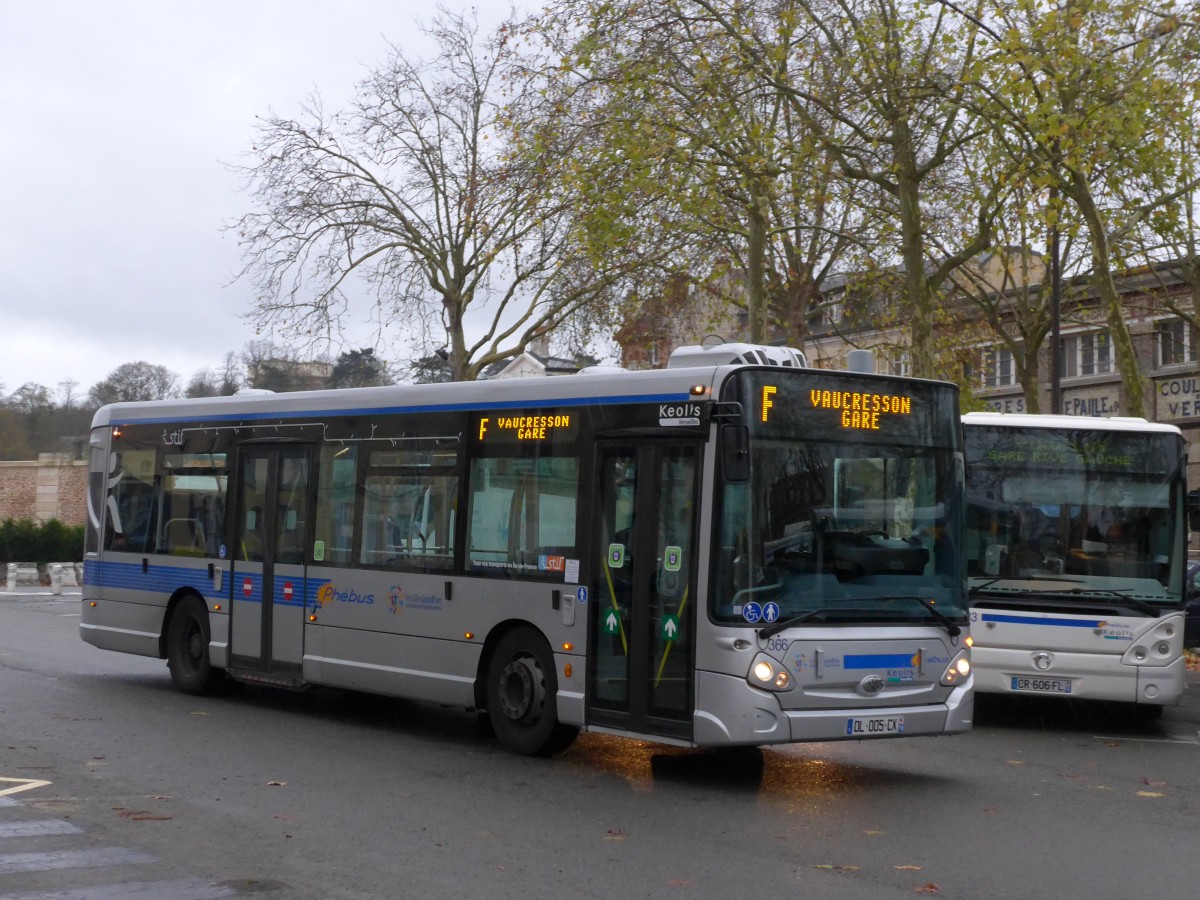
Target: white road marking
{"x": 20, "y": 784}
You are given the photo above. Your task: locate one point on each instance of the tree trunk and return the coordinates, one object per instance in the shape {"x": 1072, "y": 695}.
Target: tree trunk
{"x": 1029, "y": 375}
{"x": 460, "y": 364}
{"x": 916, "y": 287}
{"x": 1133, "y": 393}
{"x": 756, "y": 250}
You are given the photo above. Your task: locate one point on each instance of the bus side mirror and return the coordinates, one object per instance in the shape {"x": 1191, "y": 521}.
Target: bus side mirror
{"x": 1193, "y": 508}
{"x": 735, "y": 453}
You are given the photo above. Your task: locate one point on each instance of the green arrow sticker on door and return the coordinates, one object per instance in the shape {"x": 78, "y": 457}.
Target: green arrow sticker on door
{"x": 611, "y": 623}
{"x": 670, "y": 628}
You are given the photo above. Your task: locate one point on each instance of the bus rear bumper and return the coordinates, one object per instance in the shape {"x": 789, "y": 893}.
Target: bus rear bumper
{"x": 757, "y": 718}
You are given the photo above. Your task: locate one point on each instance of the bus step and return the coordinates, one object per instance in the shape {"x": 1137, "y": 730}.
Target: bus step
{"x": 252, "y": 676}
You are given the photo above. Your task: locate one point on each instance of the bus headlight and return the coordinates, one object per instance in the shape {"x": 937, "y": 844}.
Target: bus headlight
{"x": 958, "y": 670}
{"x": 769, "y": 674}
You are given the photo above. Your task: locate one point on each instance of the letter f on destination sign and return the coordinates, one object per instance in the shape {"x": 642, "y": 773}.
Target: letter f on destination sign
{"x": 768, "y": 391}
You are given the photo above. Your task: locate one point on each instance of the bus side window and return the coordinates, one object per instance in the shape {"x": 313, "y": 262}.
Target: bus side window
{"x": 407, "y": 514}
{"x": 523, "y": 514}
{"x": 333, "y": 522}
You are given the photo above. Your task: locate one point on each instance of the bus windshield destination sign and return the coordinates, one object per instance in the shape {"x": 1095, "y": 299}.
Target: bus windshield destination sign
{"x": 859, "y": 410}
{"x": 1074, "y": 449}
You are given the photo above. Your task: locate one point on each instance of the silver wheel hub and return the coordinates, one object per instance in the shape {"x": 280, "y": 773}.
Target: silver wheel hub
{"x": 521, "y": 689}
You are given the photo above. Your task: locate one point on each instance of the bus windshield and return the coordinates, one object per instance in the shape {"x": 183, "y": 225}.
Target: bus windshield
{"x": 1088, "y": 514}
{"x": 850, "y": 513}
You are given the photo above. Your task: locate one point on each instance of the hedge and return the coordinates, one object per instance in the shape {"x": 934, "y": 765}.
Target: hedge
{"x": 26, "y": 541}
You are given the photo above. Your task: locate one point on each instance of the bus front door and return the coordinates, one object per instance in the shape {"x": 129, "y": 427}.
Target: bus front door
{"x": 643, "y": 634}
{"x": 268, "y": 594}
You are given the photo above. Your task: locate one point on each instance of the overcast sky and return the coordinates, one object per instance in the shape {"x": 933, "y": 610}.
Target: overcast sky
{"x": 117, "y": 121}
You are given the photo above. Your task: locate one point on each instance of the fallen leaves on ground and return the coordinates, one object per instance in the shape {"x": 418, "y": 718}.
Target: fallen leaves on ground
{"x": 832, "y": 868}
{"x": 907, "y": 868}
{"x": 927, "y": 888}
{"x": 141, "y": 815}
{"x": 615, "y": 834}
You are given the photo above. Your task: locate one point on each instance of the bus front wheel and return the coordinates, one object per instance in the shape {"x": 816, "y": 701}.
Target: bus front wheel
{"x": 187, "y": 649}
{"x": 521, "y": 696}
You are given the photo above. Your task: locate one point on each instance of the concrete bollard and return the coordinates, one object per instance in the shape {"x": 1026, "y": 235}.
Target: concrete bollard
{"x": 11, "y": 584}
{"x": 56, "y": 579}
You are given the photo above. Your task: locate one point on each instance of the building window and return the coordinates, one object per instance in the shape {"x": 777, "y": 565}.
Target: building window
{"x": 900, "y": 363}
{"x": 997, "y": 369}
{"x": 1095, "y": 353}
{"x": 1176, "y": 344}
{"x": 1087, "y": 354}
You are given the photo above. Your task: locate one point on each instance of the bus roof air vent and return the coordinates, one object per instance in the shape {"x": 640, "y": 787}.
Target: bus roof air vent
{"x": 734, "y": 354}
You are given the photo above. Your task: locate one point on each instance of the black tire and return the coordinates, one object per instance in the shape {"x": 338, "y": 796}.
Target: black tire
{"x": 188, "y": 635}
{"x": 522, "y": 687}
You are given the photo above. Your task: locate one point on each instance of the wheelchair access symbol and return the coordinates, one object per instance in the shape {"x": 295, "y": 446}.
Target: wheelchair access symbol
{"x": 767, "y": 612}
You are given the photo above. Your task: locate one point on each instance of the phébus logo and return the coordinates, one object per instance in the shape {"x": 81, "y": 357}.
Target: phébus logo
{"x": 328, "y": 593}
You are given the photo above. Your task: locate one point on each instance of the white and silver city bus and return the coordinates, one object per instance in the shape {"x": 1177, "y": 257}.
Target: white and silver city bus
{"x": 1076, "y": 552}
{"x": 734, "y": 550}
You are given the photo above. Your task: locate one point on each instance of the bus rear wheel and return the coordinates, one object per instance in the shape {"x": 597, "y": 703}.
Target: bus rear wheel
{"x": 522, "y": 688}
{"x": 188, "y": 636}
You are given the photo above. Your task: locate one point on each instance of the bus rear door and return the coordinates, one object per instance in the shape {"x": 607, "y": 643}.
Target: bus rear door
{"x": 268, "y": 584}
{"x": 643, "y": 634}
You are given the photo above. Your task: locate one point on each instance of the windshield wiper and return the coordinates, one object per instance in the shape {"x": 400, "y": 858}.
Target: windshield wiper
{"x": 1143, "y": 606}
{"x": 951, "y": 629}
{"x": 783, "y": 624}
{"x": 987, "y": 585}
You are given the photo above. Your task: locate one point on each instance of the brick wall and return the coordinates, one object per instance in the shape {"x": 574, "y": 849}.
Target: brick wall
{"x": 52, "y": 487}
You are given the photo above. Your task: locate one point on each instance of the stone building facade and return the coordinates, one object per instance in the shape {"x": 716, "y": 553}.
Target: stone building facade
{"x": 53, "y": 486}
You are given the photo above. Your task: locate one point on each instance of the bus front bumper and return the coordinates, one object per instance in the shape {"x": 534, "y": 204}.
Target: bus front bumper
{"x": 755, "y": 717}
{"x": 1080, "y": 676}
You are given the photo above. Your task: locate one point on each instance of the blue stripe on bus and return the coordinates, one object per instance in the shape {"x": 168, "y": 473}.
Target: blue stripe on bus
{"x": 475, "y": 406}
{"x": 165, "y": 579}
{"x": 1036, "y": 620}
{"x": 879, "y": 661}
